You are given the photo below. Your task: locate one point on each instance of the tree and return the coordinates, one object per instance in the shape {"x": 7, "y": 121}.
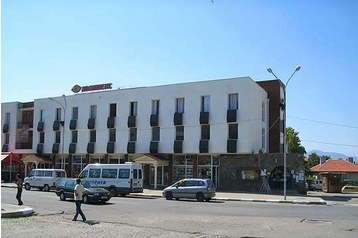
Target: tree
{"x": 294, "y": 142}
{"x": 313, "y": 160}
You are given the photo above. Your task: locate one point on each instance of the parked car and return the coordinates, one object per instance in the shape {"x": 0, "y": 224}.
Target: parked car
{"x": 316, "y": 185}
{"x": 201, "y": 189}
{"x": 94, "y": 193}
{"x": 349, "y": 189}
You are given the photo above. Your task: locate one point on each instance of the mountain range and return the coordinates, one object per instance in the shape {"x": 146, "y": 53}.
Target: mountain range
{"x": 333, "y": 155}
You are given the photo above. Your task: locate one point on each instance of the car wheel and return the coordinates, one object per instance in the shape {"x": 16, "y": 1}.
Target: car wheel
{"x": 62, "y": 196}
{"x": 85, "y": 199}
{"x": 113, "y": 192}
{"x": 200, "y": 197}
{"x": 46, "y": 188}
{"x": 40, "y": 188}
{"x": 27, "y": 186}
{"x": 169, "y": 196}
{"x": 207, "y": 199}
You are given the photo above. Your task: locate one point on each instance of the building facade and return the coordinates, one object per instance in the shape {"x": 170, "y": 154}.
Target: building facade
{"x": 175, "y": 131}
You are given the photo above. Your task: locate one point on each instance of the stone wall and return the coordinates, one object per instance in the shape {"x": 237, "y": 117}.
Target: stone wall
{"x": 243, "y": 172}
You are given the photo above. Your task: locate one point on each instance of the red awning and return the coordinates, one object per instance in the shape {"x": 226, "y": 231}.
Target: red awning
{"x": 5, "y": 160}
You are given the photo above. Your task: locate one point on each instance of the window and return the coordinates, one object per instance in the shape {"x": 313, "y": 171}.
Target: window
{"x": 92, "y": 135}
{"x": 179, "y": 105}
{"x": 109, "y": 173}
{"x": 94, "y": 173}
{"x": 179, "y": 133}
{"x": 139, "y": 174}
{"x": 74, "y": 136}
{"x": 42, "y": 115}
{"x": 263, "y": 111}
{"x": 263, "y": 138}
{"x": 205, "y": 132}
{"x": 112, "y": 135}
{"x": 75, "y": 113}
{"x": 155, "y": 133}
{"x": 7, "y": 138}
{"x": 205, "y": 103}
{"x": 40, "y": 173}
{"x": 58, "y": 114}
{"x": 132, "y": 134}
{"x": 123, "y": 173}
{"x": 7, "y": 119}
{"x": 93, "y": 112}
{"x": 233, "y": 131}
{"x": 133, "y": 109}
{"x": 70, "y": 184}
{"x": 233, "y": 101}
{"x": 48, "y": 173}
{"x": 57, "y": 136}
{"x": 135, "y": 173}
{"x": 155, "y": 107}
{"x": 42, "y": 137}
{"x": 112, "y": 110}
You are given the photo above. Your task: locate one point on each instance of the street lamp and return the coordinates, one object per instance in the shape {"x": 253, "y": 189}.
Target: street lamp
{"x": 283, "y": 106}
{"x": 63, "y": 128}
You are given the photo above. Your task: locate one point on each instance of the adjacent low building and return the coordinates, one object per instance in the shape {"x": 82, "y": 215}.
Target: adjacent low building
{"x": 336, "y": 173}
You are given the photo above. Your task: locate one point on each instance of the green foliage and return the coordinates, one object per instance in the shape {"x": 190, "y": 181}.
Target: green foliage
{"x": 294, "y": 142}
{"x": 313, "y": 160}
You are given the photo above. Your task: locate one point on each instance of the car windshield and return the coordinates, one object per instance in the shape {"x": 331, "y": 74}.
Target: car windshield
{"x": 89, "y": 184}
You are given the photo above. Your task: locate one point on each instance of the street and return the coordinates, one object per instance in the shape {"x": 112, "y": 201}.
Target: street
{"x": 157, "y": 217}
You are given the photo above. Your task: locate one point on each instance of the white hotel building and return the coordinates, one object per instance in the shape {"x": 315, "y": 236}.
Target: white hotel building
{"x": 175, "y": 131}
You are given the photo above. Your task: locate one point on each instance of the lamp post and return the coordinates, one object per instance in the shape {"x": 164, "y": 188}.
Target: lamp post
{"x": 283, "y": 106}
{"x": 63, "y": 128}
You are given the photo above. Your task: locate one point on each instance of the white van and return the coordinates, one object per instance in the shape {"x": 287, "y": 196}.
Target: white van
{"x": 44, "y": 179}
{"x": 116, "y": 178}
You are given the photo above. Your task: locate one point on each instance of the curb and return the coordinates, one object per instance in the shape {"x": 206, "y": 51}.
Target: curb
{"x": 304, "y": 202}
{"x": 26, "y": 211}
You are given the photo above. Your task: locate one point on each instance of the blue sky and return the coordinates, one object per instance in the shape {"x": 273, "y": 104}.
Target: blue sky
{"x": 49, "y": 46}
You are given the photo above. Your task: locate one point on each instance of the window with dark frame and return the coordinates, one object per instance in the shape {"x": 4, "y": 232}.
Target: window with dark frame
{"x": 205, "y": 103}
{"x": 179, "y": 106}
{"x": 112, "y": 135}
{"x": 58, "y": 137}
{"x": 133, "y": 109}
{"x": 42, "y": 137}
{"x": 92, "y": 136}
{"x": 155, "y": 107}
{"x": 75, "y": 113}
{"x": 133, "y": 134}
{"x": 233, "y": 131}
{"x": 93, "y": 112}
{"x": 155, "y": 133}
{"x": 74, "y": 136}
{"x": 7, "y": 138}
{"x": 179, "y": 135}
{"x": 205, "y": 132}
{"x": 233, "y": 101}
{"x": 58, "y": 114}
{"x": 113, "y": 110}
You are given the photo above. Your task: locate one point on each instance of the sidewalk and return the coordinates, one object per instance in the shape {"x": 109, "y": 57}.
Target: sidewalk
{"x": 8, "y": 210}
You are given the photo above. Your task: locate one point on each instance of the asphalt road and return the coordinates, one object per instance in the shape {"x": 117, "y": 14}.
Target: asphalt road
{"x": 157, "y": 217}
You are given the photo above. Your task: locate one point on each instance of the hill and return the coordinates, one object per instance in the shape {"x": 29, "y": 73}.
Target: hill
{"x": 333, "y": 155}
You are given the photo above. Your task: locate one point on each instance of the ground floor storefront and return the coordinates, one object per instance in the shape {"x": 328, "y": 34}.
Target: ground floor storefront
{"x": 229, "y": 172}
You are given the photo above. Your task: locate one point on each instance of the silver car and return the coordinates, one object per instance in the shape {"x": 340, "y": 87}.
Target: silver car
{"x": 201, "y": 189}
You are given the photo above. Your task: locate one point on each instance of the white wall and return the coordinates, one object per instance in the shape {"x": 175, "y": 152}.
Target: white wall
{"x": 250, "y": 122}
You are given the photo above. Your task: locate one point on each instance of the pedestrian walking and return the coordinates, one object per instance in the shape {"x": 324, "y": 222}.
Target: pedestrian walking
{"x": 78, "y": 195}
{"x": 19, "y": 189}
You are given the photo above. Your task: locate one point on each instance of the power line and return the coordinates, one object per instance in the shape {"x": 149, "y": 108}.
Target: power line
{"x": 328, "y": 123}
{"x": 329, "y": 143}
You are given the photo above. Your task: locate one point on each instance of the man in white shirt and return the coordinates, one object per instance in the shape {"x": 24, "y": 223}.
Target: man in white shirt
{"x": 78, "y": 193}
